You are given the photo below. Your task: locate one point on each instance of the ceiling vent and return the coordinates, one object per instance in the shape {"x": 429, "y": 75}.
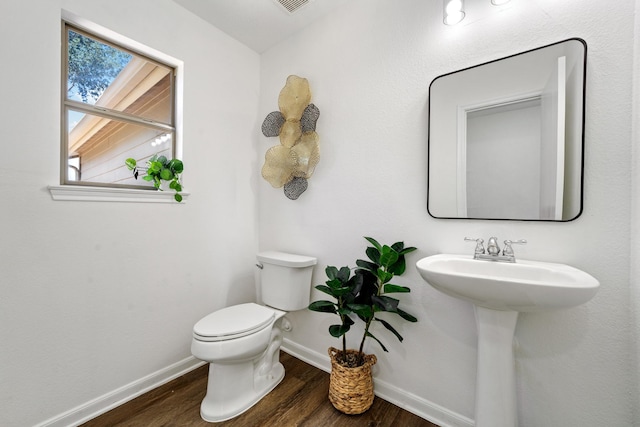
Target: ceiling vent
{"x": 292, "y": 5}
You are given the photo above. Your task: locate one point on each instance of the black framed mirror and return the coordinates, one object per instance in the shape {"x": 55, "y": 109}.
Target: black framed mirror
{"x": 506, "y": 137}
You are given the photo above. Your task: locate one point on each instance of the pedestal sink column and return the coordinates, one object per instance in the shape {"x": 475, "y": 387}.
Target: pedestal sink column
{"x": 495, "y": 380}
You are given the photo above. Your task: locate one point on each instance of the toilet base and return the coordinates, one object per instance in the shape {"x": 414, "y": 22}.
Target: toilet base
{"x": 240, "y": 393}
{"x": 245, "y": 375}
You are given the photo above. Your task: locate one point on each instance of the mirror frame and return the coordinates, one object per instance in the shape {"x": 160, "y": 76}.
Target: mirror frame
{"x": 580, "y": 140}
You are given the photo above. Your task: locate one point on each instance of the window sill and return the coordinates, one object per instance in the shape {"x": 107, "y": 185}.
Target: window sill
{"x": 106, "y": 194}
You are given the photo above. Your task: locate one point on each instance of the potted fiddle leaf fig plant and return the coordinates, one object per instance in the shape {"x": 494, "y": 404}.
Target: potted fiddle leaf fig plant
{"x": 362, "y": 292}
{"x": 159, "y": 169}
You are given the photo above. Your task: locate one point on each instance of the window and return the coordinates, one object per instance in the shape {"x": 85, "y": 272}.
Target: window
{"x": 116, "y": 104}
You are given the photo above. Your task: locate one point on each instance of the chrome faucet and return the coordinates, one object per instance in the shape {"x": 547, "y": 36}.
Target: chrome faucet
{"x": 493, "y": 249}
{"x": 492, "y": 246}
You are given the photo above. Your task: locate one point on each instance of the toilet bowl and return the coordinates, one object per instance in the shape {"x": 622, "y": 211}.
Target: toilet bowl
{"x": 242, "y": 342}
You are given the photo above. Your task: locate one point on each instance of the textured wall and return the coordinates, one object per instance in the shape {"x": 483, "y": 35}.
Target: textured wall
{"x": 635, "y": 218}
{"x": 94, "y": 296}
{"x": 369, "y": 67}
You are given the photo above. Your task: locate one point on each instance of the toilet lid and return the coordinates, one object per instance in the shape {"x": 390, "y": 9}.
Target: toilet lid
{"x": 233, "y": 322}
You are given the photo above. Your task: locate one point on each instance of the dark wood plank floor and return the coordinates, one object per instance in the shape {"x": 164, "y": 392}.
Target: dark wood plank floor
{"x": 299, "y": 400}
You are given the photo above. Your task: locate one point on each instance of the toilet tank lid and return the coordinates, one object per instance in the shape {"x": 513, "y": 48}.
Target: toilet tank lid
{"x": 286, "y": 259}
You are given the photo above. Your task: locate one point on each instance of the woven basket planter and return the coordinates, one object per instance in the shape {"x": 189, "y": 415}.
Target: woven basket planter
{"x": 351, "y": 389}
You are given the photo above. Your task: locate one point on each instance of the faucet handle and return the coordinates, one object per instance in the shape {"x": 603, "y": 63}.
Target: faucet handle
{"x": 492, "y": 246}
{"x": 508, "y": 250}
{"x": 479, "y": 244}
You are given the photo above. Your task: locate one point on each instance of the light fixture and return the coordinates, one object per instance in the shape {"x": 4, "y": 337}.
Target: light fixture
{"x": 453, "y": 11}
{"x": 499, "y": 2}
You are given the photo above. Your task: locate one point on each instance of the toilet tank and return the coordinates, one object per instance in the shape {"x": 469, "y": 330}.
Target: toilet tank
{"x": 285, "y": 280}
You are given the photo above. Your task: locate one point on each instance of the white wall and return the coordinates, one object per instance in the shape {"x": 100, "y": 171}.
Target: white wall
{"x": 94, "y": 296}
{"x": 369, "y": 67}
{"x": 635, "y": 217}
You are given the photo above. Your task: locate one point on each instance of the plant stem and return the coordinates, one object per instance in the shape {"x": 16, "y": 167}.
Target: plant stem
{"x": 366, "y": 328}
{"x": 344, "y": 346}
{"x": 344, "y": 336}
{"x": 364, "y": 337}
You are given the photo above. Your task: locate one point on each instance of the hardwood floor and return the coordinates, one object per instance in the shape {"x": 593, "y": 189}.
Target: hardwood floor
{"x": 299, "y": 400}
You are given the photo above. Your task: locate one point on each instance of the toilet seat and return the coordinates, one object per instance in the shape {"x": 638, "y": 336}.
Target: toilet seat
{"x": 233, "y": 322}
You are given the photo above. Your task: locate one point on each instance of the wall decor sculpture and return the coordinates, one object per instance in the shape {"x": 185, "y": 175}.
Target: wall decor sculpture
{"x": 291, "y": 163}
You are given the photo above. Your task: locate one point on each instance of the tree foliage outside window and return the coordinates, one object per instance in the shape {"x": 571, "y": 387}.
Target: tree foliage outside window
{"x": 92, "y": 66}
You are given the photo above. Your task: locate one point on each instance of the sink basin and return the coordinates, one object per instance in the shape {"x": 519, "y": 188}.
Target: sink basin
{"x": 500, "y": 291}
{"x": 524, "y": 286}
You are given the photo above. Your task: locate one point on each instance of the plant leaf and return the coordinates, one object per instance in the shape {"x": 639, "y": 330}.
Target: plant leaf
{"x": 331, "y": 272}
{"x": 345, "y": 311}
{"x": 334, "y": 283}
{"x": 388, "y": 257}
{"x": 407, "y": 250}
{"x": 385, "y": 303}
{"x": 338, "y": 330}
{"x": 176, "y": 166}
{"x": 391, "y": 328}
{"x": 131, "y": 163}
{"x": 373, "y": 254}
{"x": 343, "y": 274}
{"x": 323, "y": 306}
{"x": 361, "y": 310}
{"x": 389, "y": 288}
{"x": 369, "y": 287}
{"x": 178, "y": 197}
{"x": 406, "y": 316}
{"x": 369, "y": 334}
{"x": 384, "y": 276}
{"x": 374, "y": 242}
{"x": 338, "y": 288}
{"x": 344, "y": 290}
{"x": 398, "y": 246}
{"x": 355, "y": 283}
{"x": 154, "y": 167}
{"x": 367, "y": 265}
{"x": 399, "y": 267}
{"x": 166, "y": 174}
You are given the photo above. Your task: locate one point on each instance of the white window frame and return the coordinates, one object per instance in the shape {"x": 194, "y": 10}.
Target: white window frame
{"x": 82, "y": 191}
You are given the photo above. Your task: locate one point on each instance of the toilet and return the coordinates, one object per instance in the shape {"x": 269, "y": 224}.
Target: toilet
{"x": 242, "y": 342}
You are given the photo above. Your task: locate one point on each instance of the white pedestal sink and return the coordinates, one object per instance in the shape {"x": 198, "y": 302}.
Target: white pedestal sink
{"x": 499, "y": 291}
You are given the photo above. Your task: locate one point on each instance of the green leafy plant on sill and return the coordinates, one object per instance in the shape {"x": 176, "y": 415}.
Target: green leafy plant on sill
{"x": 363, "y": 293}
{"x": 159, "y": 169}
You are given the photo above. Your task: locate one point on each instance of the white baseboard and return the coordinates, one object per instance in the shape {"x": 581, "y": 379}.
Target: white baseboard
{"x": 421, "y": 407}
{"x": 106, "y": 402}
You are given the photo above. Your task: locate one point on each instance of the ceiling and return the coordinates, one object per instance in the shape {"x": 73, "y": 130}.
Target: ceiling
{"x": 259, "y": 24}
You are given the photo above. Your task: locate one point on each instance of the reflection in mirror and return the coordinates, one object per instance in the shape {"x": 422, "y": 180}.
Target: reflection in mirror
{"x": 506, "y": 137}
